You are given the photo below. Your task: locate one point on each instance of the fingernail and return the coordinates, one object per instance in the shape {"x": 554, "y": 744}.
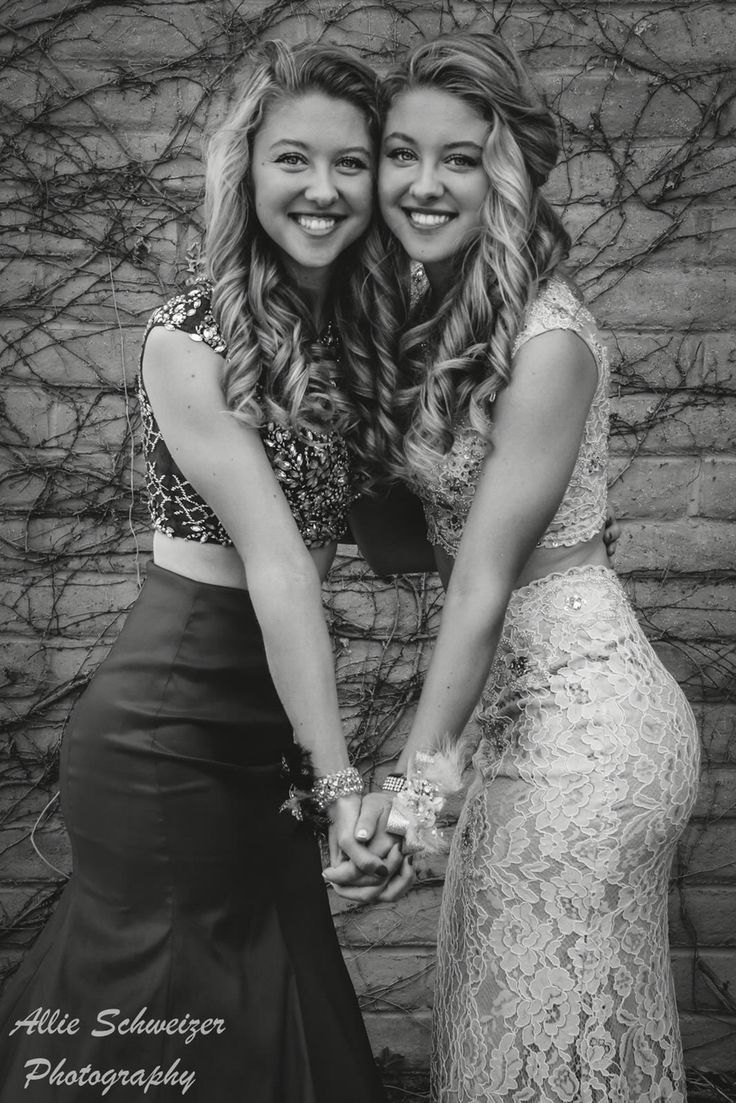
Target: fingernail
{"x": 361, "y": 834}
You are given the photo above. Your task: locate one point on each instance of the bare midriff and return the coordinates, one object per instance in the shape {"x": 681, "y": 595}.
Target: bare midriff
{"x": 215, "y": 564}
{"x": 542, "y": 561}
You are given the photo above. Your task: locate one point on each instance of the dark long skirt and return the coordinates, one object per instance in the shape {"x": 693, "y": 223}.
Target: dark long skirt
{"x": 194, "y": 942}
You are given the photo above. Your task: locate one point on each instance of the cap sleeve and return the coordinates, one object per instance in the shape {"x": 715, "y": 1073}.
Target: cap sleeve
{"x": 191, "y": 313}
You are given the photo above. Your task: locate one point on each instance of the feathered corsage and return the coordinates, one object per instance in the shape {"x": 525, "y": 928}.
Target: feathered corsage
{"x": 431, "y": 779}
{"x": 296, "y": 765}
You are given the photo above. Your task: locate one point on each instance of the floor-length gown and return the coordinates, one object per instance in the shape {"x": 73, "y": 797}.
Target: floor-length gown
{"x": 196, "y": 921}
{"x": 553, "y": 981}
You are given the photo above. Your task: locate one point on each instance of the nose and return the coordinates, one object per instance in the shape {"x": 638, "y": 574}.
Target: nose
{"x": 426, "y": 183}
{"x": 321, "y": 189}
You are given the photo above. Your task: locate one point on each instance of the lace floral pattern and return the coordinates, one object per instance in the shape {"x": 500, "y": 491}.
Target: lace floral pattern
{"x": 448, "y": 497}
{"x": 554, "y": 981}
{"x": 313, "y": 468}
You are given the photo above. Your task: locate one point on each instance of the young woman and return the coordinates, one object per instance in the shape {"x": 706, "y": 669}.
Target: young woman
{"x": 193, "y": 951}
{"x": 553, "y": 975}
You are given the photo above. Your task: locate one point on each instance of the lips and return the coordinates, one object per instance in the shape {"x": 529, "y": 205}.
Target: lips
{"x": 428, "y": 220}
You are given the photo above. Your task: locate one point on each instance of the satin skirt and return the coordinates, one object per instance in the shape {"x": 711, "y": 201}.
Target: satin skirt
{"x": 194, "y": 944}
{"x": 554, "y": 981}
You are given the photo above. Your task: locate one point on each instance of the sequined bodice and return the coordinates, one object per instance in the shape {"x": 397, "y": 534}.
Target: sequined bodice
{"x": 447, "y": 493}
{"x": 313, "y": 468}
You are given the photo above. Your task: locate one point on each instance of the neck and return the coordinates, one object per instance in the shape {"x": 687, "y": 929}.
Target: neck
{"x": 314, "y": 285}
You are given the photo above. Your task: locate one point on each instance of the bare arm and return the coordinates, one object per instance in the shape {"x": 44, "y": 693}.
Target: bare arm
{"x": 228, "y": 466}
{"x": 538, "y": 425}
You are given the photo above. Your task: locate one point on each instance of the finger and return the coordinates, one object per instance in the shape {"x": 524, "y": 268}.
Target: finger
{"x": 362, "y": 857}
{"x": 399, "y": 884}
{"x": 359, "y": 895}
{"x": 346, "y": 873}
{"x": 368, "y": 821}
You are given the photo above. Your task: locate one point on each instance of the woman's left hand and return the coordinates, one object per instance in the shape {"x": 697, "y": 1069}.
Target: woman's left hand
{"x": 355, "y": 882}
{"x": 611, "y": 533}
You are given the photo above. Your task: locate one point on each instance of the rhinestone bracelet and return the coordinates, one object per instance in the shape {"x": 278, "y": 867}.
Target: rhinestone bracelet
{"x": 341, "y": 784}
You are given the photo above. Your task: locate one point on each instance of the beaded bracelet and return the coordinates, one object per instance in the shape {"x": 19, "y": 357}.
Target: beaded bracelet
{"x": 341, "y": 784}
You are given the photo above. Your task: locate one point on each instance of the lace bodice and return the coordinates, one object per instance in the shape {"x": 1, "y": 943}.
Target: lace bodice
{"x": 313, "y": 468}
{"x": 447, "y": 494}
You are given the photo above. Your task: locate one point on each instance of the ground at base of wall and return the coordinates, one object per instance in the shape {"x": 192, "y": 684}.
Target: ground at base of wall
{"x": 702, "y": 1087}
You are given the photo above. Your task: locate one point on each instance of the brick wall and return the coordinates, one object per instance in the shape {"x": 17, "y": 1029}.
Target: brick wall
{"x": 100, "y": 182}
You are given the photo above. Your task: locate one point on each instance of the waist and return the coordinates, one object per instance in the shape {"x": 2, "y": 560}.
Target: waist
{"x": 545, "y": 561}
{"x": 542, "y": 561}
{"x": 215, "y": 564}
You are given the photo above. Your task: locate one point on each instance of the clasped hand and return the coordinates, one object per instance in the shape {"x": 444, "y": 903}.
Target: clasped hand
{"x": 366, "y": 862}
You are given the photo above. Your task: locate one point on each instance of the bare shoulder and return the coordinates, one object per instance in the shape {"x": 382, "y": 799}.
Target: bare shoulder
{"x": 171, "y": 356}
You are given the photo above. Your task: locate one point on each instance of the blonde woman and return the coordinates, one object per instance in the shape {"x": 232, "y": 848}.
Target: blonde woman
{"x": 193, "y": 950}
{"x": 553, "y": 979}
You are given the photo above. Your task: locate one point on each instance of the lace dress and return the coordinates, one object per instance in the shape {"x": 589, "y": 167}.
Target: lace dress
{"x": 554, "y": 981}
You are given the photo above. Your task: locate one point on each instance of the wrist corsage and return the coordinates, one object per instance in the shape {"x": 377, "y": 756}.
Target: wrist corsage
{"x": 310, "y": 797}
{"x": 430, "y": 780}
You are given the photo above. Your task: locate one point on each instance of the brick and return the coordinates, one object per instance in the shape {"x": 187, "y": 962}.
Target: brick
{"x": 406, "y": 1035}
{"x": 694, "y": 992}
{"x": 85, "y": 421}
{"x": 165, "y": 33}
{"x": 719, "y": 365}
{"x": 63, "y": 354}
{"x": 710, "y": 852}
{"x": 686, "y": 546}
{"x": 673, "y": 422}
{"x": 16, "y": 851}
{"x": 79, "y": 606}
{"x": 708, "y": 1041}
{"x": 629, "y": 233}
{"x": 660, "y": 488}
{"x": 653, "y": 169}
{"x": 689, "y": 608}
{"x": 411, "y": 921}
{"x": 617, "y": 103}
{"x": 703, "y": 668}
{"x": 717, "y": 793}
{"x": 718, "y": 730}
{"x": 707, "y": 910}
{"x": 717, "y": 487}
{"x": 392, "y": 979}
{"x": 682, "y": 298}
{"x": 643, "y": 361}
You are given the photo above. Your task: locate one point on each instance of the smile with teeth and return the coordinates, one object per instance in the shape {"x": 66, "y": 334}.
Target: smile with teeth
{"x": 316, "y": 224}
{"x": 429, "y": 220}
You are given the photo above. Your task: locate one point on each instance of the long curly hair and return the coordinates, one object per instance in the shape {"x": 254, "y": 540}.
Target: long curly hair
{"x": 276, "y": 369}
{"x": 450, "y": 366}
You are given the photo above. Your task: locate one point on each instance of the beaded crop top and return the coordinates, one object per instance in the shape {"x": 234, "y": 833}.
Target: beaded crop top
{"x": 313, "y": 468}
{"x": 447, "y": 492}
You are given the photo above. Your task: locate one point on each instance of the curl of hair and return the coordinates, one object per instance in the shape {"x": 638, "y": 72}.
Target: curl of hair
{"x": 453, "y": 365}
{"x": 276, "y": 368}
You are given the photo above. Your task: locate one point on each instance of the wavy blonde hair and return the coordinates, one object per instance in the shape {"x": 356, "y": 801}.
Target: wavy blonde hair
{"x": 276, "y": 368}
{"x": 452, "y": 365}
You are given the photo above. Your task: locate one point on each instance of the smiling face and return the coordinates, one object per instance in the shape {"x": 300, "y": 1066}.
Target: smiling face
{"x": 431, "y": 181}
{"x": 312, "y": 176}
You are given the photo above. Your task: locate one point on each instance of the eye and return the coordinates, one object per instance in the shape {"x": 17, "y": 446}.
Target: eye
{"x": 463, "y": 160}
{"x": 401, "y": 155}
{"x": 292, "y": 160}
{"x": 353, "y": 164}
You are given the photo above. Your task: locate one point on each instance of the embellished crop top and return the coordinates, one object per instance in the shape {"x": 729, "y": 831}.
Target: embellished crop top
{"x": 447, "y": 492}
{"x": 313, "y": 468}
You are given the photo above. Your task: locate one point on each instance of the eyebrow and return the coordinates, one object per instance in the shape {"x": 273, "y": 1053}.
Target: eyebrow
{"x": 450, "y": 145}
{"x": 302, "y": 145}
